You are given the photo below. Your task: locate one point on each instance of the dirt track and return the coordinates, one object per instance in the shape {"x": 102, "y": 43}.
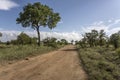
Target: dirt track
{"x": 62, "y": 64}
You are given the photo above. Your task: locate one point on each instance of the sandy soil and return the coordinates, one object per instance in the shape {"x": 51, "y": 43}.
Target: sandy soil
{"x": 62, "y": 64}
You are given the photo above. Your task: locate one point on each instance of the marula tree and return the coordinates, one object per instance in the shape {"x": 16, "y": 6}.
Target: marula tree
{"x": 38, "y": 15}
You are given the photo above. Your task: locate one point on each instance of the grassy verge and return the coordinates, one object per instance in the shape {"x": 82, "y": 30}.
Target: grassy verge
{"x": 12, "y": 53}
{"x": 100, "y": 63}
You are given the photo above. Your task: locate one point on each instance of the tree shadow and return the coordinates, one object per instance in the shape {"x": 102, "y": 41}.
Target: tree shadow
{"x": 70, "y": 50}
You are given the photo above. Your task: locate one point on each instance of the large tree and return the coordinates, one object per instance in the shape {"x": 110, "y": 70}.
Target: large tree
{"x": 37, "y": 15}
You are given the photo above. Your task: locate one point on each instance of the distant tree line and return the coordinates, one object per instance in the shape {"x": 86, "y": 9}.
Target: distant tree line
{"x": 24, "y": 39}
{"x": 99, "y": 38}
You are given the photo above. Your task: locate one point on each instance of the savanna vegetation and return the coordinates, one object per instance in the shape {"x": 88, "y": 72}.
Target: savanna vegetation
{"x": 100, "y": 55}
{"x": 34, "y": 15}
{"x": 26, "y": 46}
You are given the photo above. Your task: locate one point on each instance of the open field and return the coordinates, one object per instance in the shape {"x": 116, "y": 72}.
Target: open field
{"x": 11, "y": 53}
{"x": 101, "y": 63}
{"x": 62, "y": 64}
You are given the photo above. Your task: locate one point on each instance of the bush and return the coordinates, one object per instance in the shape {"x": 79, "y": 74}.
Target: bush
{"x": 14, "y": 52}
{"x": 118, "y": 52}
{"x": 100, "y": 63}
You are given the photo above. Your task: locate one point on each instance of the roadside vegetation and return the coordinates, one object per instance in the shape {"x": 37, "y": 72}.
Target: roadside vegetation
{"x": 17, "y": 52}
{"x": 100, "y": 55}
{"x": 25, "y": 46}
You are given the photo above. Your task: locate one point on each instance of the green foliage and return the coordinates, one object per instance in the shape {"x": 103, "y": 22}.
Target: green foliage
{"x": 99, "y": 38}
{"x": 115, "y": 40}
{"x": 23, "y": 39}
{"x": 63, "y": 42}
{"x": 14, "y": 42}
{"x": 102, "y": 37}
{"x": 37, "y": 15}
{"x": 17, "y": 52}
{"x": 100, "y": 63}
{"x": 91, "y": 38}
{"x": 34, "y": 40}
{"x": 118, "y": 53}
{"x": 50, "y": 42}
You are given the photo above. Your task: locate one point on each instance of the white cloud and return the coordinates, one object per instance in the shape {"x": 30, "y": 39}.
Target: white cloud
{"x": 97, "y": 26}
{"x": 117, "y": 21}
{"x": 109, "y": 21}
{"x": 114, "y": 22}
{"x": 10, "y": 35}
{"x": 109, "y": 27}
{"x": 7, "y": 4}
{"x": 98, "y": 23}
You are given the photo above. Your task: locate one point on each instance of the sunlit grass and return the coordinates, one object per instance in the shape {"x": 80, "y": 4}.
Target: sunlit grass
{"x": 100, "y": 63}
{"x": 12, "y": 52}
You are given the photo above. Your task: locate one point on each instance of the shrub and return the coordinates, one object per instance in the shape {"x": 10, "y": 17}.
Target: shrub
{"x": 118, "y": 52}
{"x": 99, "y": 66}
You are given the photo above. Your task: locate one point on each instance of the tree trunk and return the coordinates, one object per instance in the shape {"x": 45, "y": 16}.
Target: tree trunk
{"x": 38, "y": 35}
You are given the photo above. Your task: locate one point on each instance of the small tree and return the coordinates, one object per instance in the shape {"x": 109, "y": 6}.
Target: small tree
{"x": 102, "y": 36}
{"x": 64, "y": 41}
{"x": 23, "y": 39}
{"x": 115, "y": 40}
{"x": 91, "y": 37}
{"x": 50, "y": 42}
{"x": 37, "y": 15}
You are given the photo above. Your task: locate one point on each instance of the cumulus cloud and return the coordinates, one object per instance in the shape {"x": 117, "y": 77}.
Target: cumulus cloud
{"x": 11, "y": 35}
{"x": 110, "y": 27}
{"x": 7, "y": 4}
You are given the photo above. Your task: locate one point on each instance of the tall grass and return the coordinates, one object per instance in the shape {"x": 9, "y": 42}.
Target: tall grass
{"x": 10, "y": 53}
{"x": 100, "y": 63}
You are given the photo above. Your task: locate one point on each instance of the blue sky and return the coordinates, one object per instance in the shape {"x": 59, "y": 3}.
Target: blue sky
{"x": 77, "y": 16}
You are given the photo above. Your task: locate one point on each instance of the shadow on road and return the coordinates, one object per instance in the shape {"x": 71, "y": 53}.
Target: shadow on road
{"x": 69, "y": 50}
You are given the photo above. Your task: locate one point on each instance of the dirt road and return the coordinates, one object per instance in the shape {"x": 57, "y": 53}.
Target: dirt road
{"x": 62, "y": 64}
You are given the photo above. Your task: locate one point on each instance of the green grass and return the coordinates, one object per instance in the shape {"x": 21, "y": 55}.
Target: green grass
{"x": 100, "y": 63}
{"x": 11, "y": 53}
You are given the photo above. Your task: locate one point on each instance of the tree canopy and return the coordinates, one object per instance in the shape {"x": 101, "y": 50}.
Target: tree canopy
{"x": 37, "y": 15}
{"x": 115, "y": 39}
